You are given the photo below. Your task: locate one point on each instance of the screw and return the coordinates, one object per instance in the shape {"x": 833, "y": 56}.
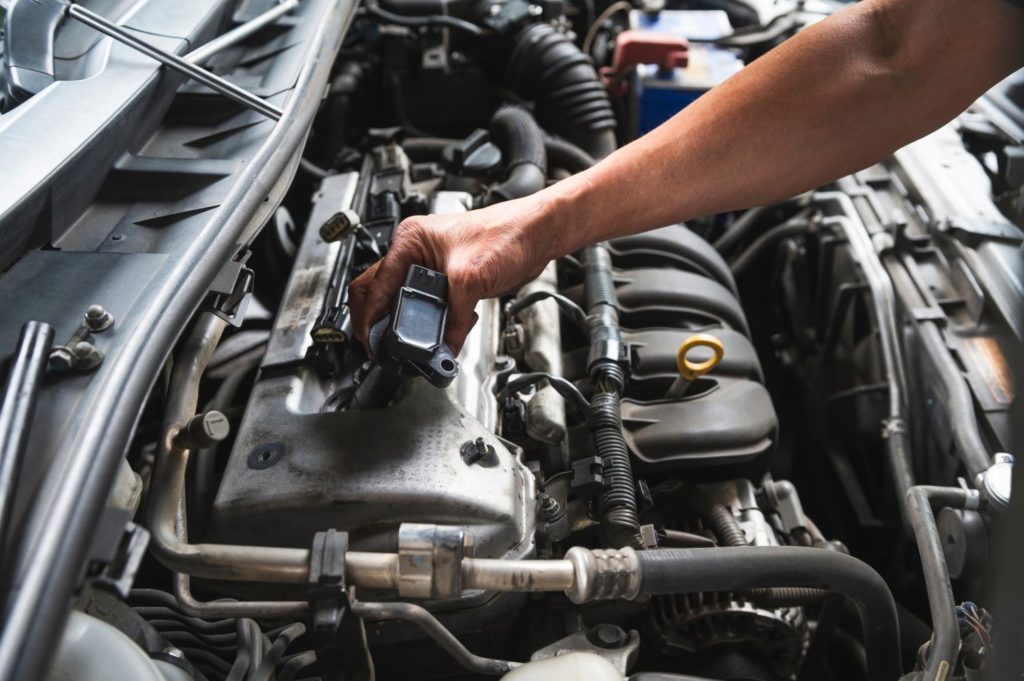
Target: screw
{"x": 608, "y": 636}
{"x": 98, "y": 319}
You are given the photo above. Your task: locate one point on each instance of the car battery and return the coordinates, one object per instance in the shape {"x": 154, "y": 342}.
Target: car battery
{"x": 657, "y": 93}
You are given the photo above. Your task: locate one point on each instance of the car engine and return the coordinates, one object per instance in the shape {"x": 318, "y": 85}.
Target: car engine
{"x": 769, "y": 445}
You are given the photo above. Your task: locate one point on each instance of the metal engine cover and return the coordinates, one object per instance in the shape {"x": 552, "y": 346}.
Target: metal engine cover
{"x": 294, "y": 471}
{"x": 292, "y": 474}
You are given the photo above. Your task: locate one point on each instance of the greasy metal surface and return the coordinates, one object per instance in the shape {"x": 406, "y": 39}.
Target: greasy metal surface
{"x": 367, "y": 471}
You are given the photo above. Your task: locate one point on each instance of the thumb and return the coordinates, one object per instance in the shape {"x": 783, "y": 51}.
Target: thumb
{"x": 461, "y": 319}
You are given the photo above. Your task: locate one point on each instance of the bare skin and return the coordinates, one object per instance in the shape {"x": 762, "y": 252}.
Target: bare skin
{"x": 836, "y": 98}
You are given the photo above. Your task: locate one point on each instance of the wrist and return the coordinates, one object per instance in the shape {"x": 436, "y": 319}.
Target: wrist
{"x": 560, "y": 225}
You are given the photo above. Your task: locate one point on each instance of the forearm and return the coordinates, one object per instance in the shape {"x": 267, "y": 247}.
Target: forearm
{"x": 836, "y": 98}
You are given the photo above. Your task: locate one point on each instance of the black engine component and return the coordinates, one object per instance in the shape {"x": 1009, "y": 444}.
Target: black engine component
{"x": 408, "y": 342}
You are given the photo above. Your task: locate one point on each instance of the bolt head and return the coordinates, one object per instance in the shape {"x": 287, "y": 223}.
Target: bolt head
{"x": 608, "y": 636}
{"x": 98, "y": 319}
{"x": 61, "y": 359}
{"x": 87, "y": 356}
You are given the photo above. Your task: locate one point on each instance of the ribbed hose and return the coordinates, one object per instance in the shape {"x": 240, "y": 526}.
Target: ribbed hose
{"x": 619, "y": 515}
{"x": 725, "y": 526}
{"x": 618, "y": 501}
{"x": 521, "y": 142}
{"x": 546, "y": 67}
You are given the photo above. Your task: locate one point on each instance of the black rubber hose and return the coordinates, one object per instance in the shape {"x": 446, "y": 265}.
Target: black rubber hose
{"x": 521, "y": 142}
{"x": 680, "y": 571}
{"x": 546, "y": 67}
{"x": 767, "y": 242}
{"x": 566, "y": 155}
{"x": 945, "y": 632}
{"x": 725, "y": 526}
{"x": 424, "y": 149}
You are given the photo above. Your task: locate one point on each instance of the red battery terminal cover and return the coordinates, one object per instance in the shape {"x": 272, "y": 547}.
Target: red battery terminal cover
{"x": 632, "y": 48}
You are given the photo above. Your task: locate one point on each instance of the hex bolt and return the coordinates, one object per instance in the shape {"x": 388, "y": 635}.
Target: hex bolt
{"x": 608, "y": 636}
{"x": 86, "y": 356}
{"x": 549, "y": 507}
{"x": 474, "y": 451}
{"x": 98, "y": 319}
{"x": 61, "y": 359}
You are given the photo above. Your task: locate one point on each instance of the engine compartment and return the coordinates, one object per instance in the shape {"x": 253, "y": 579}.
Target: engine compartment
{"x": 763, "y": 445}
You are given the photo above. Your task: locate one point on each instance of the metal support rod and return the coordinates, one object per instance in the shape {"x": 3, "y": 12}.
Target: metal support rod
{"x": 240, "y": 32}
{"x": 422, "y": 618}
{"x": 173, "y": 61}
{"x": 24, "y": 379}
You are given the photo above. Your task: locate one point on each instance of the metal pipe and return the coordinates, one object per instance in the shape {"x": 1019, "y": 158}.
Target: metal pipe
{"x": 407, "y": 612}
{"x": 884, "y": 306}
{"x": 945, "y": 644}
{"x": 24, "y": 378}
{"x": 240, "y": 32}
{"x": 173, "y": 61}
{"x": 166, "y": 513}
{"x": 522, "y": 575}
{"x": 234, "y": 609}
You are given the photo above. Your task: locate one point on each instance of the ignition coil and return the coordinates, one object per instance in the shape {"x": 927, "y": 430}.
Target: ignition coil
{"x": 409, "y": 341}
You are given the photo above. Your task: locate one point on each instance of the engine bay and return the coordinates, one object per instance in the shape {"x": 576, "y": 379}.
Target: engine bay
{"x": 768, "y": 445}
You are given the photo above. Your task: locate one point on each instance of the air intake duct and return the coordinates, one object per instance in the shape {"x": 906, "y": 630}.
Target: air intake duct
{"x": 549, "y": 69}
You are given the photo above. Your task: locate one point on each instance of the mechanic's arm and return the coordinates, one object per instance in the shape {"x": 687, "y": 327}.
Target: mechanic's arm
{"x": 836, "y": 98}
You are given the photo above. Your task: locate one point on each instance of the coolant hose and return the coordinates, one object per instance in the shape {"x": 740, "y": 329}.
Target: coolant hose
{"x": 945, "y": 643}
{"x": 566, "y": 155}
{"x": 521, "y": 142}
{"x": 545, "y": 66}
{"x": 680, "y": 571}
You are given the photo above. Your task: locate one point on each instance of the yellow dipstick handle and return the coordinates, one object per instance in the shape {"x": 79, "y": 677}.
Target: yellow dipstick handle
{"x": 689, "y": 370}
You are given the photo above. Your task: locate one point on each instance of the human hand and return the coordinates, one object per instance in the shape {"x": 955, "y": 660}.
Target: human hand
{"x": 484, "y": 253}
